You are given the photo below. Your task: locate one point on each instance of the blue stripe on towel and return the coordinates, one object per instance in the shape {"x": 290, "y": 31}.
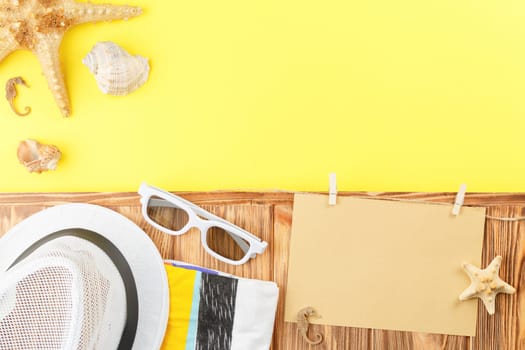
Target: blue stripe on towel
{"x": 194, "y": 314}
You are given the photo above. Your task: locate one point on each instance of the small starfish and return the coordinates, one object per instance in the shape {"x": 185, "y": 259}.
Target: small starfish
{"x": 39, "y": 26}
{"x": 486, "y": 284}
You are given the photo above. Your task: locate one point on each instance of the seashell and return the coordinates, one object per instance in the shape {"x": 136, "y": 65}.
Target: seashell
{"x": 37, "y": 157}
{"x": 116, "y": 71}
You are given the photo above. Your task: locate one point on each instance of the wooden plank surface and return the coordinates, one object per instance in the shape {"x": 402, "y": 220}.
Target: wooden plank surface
{"x": 269, "y": 214}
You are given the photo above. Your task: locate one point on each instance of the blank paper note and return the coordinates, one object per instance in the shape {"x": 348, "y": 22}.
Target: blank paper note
{"x": 383, "y": 264}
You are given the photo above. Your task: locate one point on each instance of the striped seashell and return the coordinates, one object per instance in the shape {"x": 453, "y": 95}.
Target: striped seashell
{"x": 116, "y": 71}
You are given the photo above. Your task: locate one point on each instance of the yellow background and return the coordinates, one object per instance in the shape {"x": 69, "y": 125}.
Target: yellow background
{"x": 391, "y": 95}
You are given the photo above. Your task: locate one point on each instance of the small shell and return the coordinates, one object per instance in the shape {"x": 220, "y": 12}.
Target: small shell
{"x": 116, "y": 71}
{"x": 37, "y": 157}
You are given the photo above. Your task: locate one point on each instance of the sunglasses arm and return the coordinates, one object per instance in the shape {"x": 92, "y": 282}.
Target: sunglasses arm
{"x": 242, "y": 244}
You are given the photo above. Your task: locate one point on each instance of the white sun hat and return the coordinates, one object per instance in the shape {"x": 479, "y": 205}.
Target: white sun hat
{"x": 81, "y": 276}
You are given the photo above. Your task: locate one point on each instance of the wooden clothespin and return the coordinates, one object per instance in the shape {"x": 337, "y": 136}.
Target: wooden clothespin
{"x": 332, "y": 191}
{"x": 460, "y": 199}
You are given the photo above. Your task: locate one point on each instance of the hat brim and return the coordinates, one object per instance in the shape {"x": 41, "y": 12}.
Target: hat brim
{"x": 136, "y": 247}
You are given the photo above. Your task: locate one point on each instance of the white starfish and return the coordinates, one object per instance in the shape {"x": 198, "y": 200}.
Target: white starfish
{"x": 39, "y": 26}
{"x": 486, "y": 284}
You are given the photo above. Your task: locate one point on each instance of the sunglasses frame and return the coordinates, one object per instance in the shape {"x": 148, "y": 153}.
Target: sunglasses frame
{"x": 195, "y": 215}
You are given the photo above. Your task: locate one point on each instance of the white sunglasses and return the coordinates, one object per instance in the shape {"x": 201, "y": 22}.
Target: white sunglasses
{"x": 175, "y": 215}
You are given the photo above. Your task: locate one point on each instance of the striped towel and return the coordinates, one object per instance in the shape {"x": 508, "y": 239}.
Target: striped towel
{"x": 211, "y": 310}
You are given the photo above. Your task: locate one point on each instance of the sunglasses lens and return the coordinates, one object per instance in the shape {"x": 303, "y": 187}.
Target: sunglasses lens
{"x": 166, "y": 214}
{"x": 227, "y": 245}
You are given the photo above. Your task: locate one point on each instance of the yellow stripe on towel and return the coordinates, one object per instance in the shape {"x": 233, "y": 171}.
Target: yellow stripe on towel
{"x": 181, "y": 282}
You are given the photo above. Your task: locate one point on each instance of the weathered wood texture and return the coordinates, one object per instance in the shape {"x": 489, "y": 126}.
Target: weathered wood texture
{"x": 269, "y": 216}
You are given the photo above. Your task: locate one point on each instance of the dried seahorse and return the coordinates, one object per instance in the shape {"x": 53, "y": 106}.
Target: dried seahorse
{"x": 10, "y": 94}
{"x": 303, "y": 322}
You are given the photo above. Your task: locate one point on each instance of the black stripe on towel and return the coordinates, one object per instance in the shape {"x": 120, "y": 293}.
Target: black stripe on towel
{"x": 216, "y": 312}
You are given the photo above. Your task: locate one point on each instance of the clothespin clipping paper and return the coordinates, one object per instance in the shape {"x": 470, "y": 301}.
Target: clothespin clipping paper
{"x": 332, "y": 191}
{"x": 460, "y": 199}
